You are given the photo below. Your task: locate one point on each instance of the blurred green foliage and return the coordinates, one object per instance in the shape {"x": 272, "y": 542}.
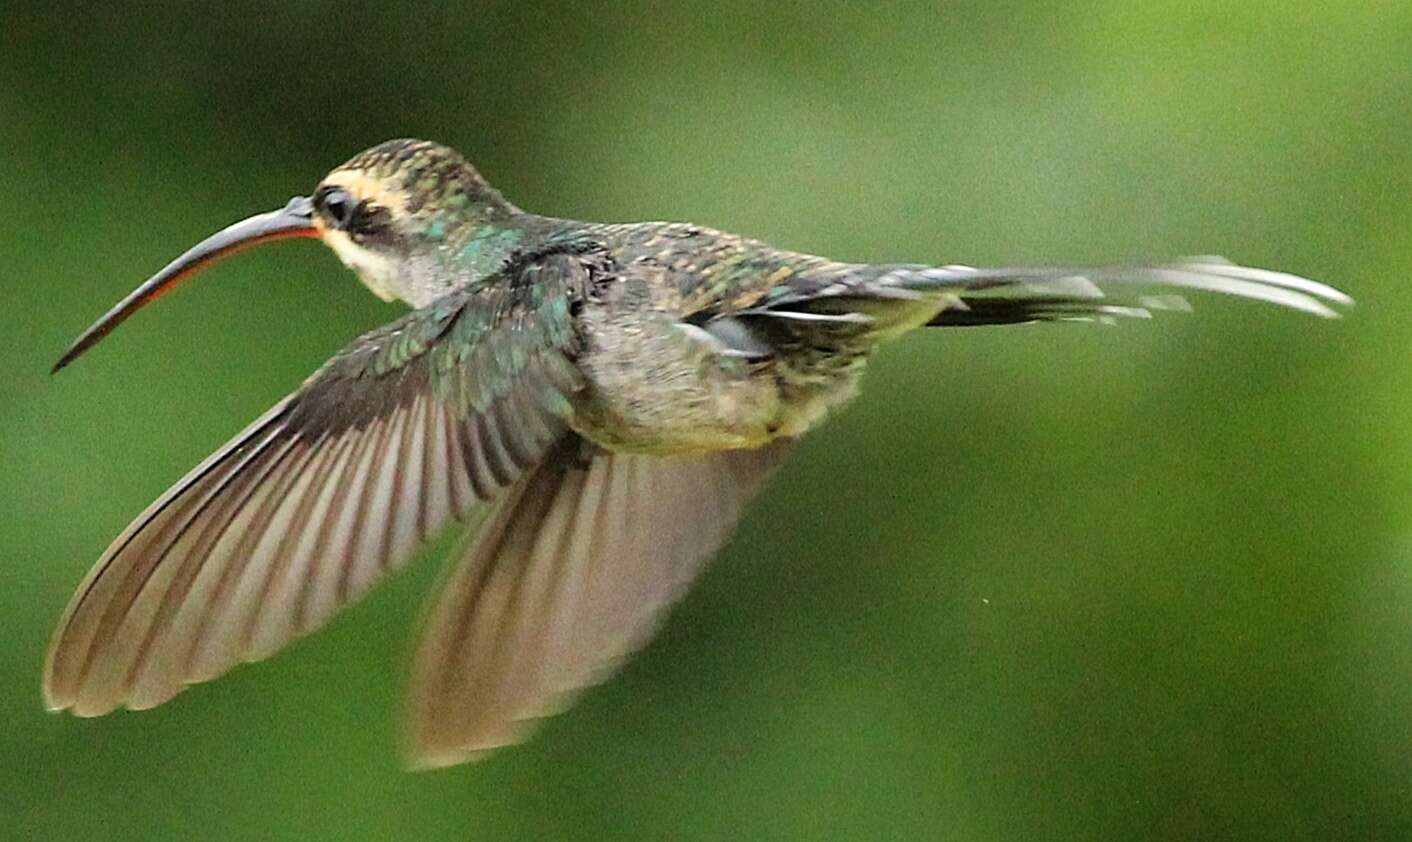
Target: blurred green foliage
{"x": 1051, "y": 583}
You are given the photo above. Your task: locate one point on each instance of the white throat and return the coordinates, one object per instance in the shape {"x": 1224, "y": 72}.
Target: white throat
{"x": 377, "y": 272}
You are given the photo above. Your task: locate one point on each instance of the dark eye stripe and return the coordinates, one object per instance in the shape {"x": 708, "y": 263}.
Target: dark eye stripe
{"x": 337, "y": 205}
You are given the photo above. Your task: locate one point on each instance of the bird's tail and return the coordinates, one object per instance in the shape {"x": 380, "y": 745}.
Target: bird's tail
{"x": 964, "y": 296}
{"x": 1102, "y": 294}
{"x": 858, "y": 306}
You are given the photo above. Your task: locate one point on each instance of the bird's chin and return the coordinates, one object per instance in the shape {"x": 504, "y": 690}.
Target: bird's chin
{"x": 376, "y": 271}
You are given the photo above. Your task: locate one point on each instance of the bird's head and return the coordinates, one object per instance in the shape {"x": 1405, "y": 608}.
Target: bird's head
{"x": 390, "y": 208}
{"x": 412, "y": 218}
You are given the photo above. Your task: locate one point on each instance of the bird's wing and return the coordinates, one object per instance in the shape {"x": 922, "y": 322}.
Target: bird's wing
{"x": 300, "y": 514}
{"x": 567, "y": 575}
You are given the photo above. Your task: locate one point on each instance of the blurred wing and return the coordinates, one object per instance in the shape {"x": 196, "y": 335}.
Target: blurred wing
{"x": 305, "y": 510}
{"x": 569, "y": 574}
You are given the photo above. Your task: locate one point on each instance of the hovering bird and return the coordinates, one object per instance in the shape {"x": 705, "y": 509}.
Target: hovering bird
{"x": 598, "y": 402}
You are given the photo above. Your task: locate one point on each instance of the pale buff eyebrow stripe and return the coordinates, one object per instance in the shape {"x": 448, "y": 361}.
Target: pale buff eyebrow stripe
{"x": 367, "y": 187}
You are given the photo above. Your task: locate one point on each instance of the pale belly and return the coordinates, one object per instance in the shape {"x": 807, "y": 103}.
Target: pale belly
{"x": 656, "y": 386}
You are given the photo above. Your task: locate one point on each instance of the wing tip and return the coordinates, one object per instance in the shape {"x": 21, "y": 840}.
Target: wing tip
{"x": 82, "y": 707}
{"x": 427, "y": 750}
{"x": 57, "y": 695}
{"x": 53, "y": 703}
{"x": 421, "y": 760}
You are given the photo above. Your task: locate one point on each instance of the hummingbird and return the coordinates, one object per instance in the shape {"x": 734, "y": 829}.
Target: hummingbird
{"x": 595, "y": 403}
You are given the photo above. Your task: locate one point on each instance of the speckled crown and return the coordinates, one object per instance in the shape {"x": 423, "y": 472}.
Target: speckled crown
{"x": 426, "y": 171}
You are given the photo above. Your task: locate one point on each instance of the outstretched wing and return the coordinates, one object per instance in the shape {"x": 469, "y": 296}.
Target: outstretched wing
{"x": 568, "y": 574}
{"x": 300, "y": 514}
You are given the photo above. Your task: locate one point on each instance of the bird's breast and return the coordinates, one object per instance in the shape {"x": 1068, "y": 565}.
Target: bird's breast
{"x": 654, "y": 386}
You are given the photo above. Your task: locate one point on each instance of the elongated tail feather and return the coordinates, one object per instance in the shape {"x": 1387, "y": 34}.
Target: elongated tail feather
{"x": 886, "y": 299}
{"x": 1020, "y": 295}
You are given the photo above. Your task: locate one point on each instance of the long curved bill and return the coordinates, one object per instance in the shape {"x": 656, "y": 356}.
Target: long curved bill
{"x": 294, "y": 220}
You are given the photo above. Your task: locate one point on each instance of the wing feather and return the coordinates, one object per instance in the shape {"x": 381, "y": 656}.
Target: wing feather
{"x": 410, "y": 427}
{"x": 569, "y": 575}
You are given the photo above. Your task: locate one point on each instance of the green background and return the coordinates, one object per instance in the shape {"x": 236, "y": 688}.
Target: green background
{"x": 1152, "y": 581}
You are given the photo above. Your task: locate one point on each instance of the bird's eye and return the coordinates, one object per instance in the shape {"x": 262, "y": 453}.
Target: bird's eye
{"x": 338, "y": 206}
